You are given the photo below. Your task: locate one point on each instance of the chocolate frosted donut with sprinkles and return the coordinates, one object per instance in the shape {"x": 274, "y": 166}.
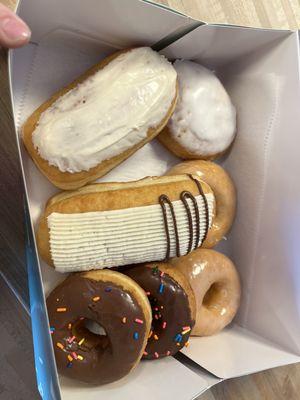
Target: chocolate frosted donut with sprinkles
{"x": 99, "y": 322}
{"x": 173, "y": 307}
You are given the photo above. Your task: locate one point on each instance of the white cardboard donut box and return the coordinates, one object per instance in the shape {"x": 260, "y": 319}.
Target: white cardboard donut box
{"x": 260, "y": 69}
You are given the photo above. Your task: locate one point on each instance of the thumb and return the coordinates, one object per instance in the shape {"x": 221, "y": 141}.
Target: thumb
{"x": 13, "y": 31}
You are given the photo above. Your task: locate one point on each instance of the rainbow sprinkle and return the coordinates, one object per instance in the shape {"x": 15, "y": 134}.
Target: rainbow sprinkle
{"x": 61, "y": 309}
{"x": 184, "y": 328}
{"x": 70, "y": 326}
{"x": 79, "y": 357}
{"x": 108, "y": 289}
{"x": 52, "y": 330}
{"x": 187, "y": 344}
{"x": 145, "y": 353}
{"x": 164, "y": 325}
{"x": 161, "y": 288}
{"x": 168, "y": 353}
{"x": 155, "y": 337}
{"x": 139, "y": 321}
{"x": 135, "y": 336}
{"x": 150, "y": 334}
{"x": 178, "y": 344}
{"x": 156, "y": 355}
{"x": 162, "y": 307}
{"x": 155, "y": 270}
{"x": 69, "y": 365}
{"x": 60, "y": 346}
{"x": 96, "y": 298}
{"x": 70, "y": 358}
{"x": 178, "y": 338}
{"x": 71, "y": 339}
{"x": 124, "y": 319}
{"x": 186, "y": 331}
{"x": 74, "y": 355}
{"x": 148, "y": 293}
{"x": 81, "y": 341}
{"x": 162, "y": 274}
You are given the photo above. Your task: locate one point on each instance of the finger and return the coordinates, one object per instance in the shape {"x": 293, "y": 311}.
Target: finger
{"x": 13, "y": 31}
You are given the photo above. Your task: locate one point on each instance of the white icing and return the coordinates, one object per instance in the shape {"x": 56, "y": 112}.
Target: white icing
{"x": 95, "y": 240}
{"x": 204, "y": 121}
{"x": 108, "y": 113}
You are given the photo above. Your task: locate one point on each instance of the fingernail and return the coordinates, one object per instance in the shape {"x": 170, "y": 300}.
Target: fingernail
{"x": 15, "y": 30}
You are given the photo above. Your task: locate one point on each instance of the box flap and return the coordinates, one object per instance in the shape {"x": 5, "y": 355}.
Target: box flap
{"x": 235, "y": 352}
{"x": 164, "y": 379}
{"x": 129, "y": 23}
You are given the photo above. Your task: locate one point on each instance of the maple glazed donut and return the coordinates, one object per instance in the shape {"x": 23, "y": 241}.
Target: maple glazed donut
{"x": 173, "y": 307}
{"x": 216, "y": 286}
{"x": 224, "y": 191}
{"x": 111, "y": 300}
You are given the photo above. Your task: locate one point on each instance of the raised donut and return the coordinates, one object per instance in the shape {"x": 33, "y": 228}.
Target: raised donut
{"x": 173, "y": 307}
{"x": 224, "y": 191}
{"x": 203, "y": 125}
{"x": 217, "y": 289}
{"x": 111, "y": 300}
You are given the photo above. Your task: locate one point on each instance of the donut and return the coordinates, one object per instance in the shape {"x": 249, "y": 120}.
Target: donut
{"x": 203, "y": 125}
{"x": 173, "y": 307}
{"x": 103, "y": 117}
{"x": 224, "y": 191}
{"x": 114, "y": 302}
{"x": 216, "y": 286}
{"x": 122, "y": 223}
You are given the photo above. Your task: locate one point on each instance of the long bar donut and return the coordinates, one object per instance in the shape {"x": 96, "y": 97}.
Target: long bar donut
{"x": 112, "y": 224}
{"x": 224, "y": 191}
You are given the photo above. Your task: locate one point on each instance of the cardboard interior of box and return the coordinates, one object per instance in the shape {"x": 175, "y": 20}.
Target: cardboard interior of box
{"x": 260, "y": 69}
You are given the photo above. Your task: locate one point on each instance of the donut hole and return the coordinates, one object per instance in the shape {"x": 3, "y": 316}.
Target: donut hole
{"x": 214, "y": 297}
{"x": 93, "y": 333}
{"x": 93, "y": 327}
{"x": 158, "y": 317}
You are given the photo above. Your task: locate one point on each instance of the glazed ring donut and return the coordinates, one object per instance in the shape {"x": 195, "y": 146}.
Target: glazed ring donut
{"x": 173, "y": 307}
{"x": 223, "y": 188}
{"x": 217, "y": 289}
{"x": 118, "y": 305}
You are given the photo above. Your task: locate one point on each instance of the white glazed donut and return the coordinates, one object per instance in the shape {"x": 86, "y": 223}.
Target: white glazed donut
{"x": 203, "y": 125}
{"x": 216, "y": 286}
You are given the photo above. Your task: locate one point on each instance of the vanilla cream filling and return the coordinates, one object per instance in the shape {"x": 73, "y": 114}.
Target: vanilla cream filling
{"x": 96, "y": 240}
{"x": 110, "y": 112}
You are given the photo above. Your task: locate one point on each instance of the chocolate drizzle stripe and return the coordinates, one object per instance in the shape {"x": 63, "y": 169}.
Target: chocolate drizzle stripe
{"x": 184, "y": 196}
{"x": 163, "y": 200}
{"x": 205, "y": 205}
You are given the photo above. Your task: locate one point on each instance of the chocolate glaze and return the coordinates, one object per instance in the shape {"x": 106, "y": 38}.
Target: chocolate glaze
{"x": 205, "y": 205}
{"x": 105, "y": 358}
{"x": 170, "y": 305}
{"x": 164, "y": 200}
{"x": 184, "y": 196}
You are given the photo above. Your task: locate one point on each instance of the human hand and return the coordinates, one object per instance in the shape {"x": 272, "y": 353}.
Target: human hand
{"x": 13, "y": 31}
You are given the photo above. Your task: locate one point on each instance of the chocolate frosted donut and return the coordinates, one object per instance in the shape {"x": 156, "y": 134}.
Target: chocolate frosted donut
{"x": 114, "y": 302}
{"x": 173, "y": 307}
